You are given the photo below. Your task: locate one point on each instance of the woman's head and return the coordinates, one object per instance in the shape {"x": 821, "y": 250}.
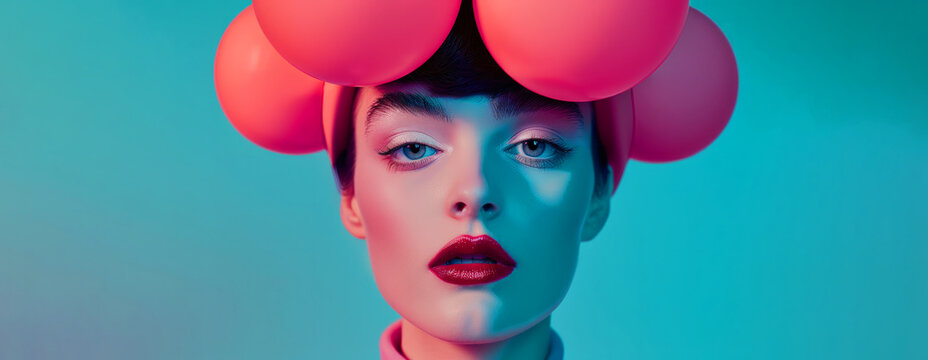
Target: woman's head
{"x": 428, "y": 173}
{"x": 459, "y": 148}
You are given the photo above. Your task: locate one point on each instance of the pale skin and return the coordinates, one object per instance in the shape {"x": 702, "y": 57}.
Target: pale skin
{"x": 428, "y": 169}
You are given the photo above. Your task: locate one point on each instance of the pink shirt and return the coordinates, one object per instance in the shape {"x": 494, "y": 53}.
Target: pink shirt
{"x": 390, "y": 344}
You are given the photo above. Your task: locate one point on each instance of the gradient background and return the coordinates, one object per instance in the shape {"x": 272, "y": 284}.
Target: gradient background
{"x": 135, "y": 223}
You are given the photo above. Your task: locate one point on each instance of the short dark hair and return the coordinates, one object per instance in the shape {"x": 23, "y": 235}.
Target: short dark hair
{"x": 463, "y": 67}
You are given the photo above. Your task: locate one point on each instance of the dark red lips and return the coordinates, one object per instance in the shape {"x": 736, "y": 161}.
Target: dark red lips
{"x": 472, "y": 260}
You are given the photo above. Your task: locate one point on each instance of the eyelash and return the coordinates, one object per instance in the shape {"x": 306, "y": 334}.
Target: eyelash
{"x": 394, "y": 165}
{"x": 560, "y": 153}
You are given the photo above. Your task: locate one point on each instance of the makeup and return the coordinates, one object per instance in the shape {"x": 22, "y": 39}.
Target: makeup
{"x": 472, "y": 260}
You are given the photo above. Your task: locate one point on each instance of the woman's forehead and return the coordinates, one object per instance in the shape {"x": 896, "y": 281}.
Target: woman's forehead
{"x": 375, "y": 104}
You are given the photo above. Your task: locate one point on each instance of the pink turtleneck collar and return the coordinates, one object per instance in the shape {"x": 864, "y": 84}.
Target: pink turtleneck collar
{"x": 390, "y": 344}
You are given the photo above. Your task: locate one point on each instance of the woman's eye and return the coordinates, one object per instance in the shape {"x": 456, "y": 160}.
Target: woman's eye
{"x": 536, "y": 148}
{"x": 538, "y": 153}
{"x": 412, "y": 152}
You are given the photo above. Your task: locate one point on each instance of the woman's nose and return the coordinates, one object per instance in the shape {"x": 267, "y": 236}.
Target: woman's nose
{"x": 474, "y": 209}
{"x": 471, "y": 196}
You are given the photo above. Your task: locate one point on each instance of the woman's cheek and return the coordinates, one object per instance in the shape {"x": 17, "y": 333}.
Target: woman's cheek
{"x": 549, "y": 186}
{"x": 396, "y": 219}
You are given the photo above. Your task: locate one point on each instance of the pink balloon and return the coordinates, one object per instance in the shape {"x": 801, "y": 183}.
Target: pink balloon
{"x": 356, "y": 42}
{"x": 615, "y": 122}
{"x": 267, "y": 100}
{"x": 579, "y": 50}
{"x": 687, "y": 102}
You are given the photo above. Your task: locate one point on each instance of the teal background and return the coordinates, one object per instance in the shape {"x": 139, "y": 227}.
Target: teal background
{"x": 135, "y": 223}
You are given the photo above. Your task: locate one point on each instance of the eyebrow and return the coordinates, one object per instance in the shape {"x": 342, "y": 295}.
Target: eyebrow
{"x": 408, "y": 102}
{"x": 508, "y": 104}
{"x": 512, "y": 104}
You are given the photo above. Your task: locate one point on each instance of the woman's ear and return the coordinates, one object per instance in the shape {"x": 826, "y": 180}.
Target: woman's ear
{"x": 599, "y": 209}
{"x": 351, "y": 216}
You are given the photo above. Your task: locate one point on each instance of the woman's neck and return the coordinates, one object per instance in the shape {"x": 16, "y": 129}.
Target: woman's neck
{"x": 529, "y": 344}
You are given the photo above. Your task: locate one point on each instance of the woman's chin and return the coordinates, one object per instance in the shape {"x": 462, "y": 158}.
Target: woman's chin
{"x": 469, "y": 318}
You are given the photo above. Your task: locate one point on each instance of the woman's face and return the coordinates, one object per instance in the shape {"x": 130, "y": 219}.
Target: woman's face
{"x": 431, "y": 171}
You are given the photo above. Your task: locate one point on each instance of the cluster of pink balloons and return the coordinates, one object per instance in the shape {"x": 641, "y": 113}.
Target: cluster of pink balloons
{"x": 671, "y": 63}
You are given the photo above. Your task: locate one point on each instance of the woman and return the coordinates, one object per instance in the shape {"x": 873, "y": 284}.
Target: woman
{"x": 472, "y": 191}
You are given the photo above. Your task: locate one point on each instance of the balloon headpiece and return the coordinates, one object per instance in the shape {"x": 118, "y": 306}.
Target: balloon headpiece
{"x": 661, "y": 75}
